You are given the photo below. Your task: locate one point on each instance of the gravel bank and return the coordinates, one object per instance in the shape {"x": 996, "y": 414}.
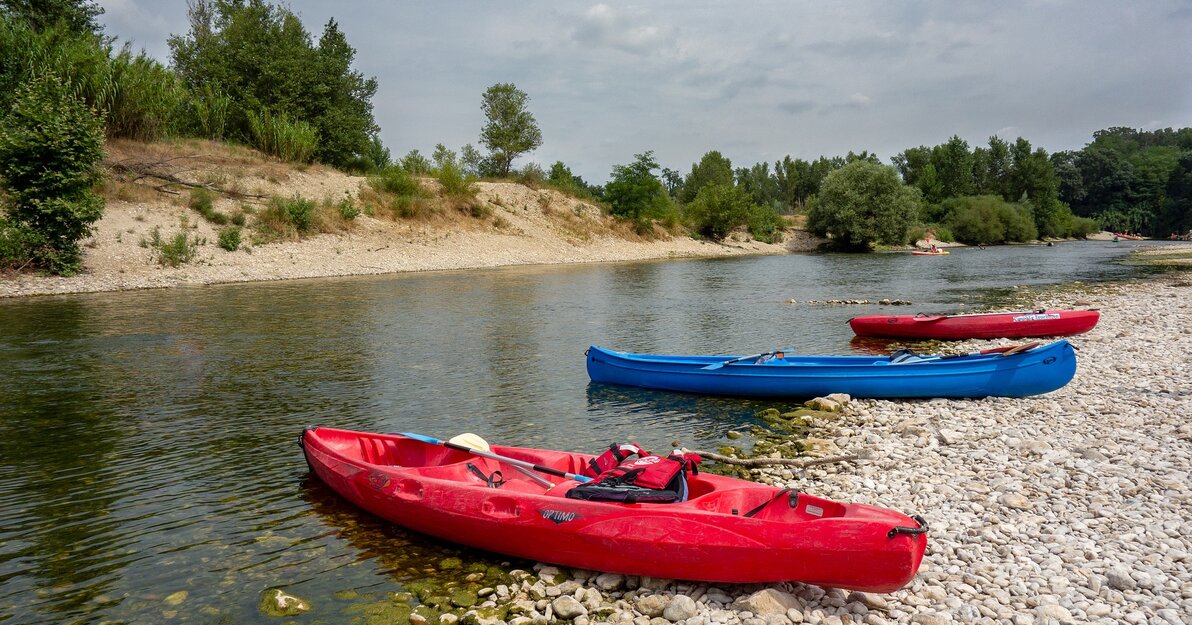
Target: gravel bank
{"x": 1071, "y": 507}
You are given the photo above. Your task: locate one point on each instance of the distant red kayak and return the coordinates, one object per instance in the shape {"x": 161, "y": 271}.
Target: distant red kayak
{"x": 1023, "y": 324}
{"x": 728, "y": 530}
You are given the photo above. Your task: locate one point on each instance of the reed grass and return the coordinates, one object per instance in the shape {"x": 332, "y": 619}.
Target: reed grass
{"x": 278, "y": 135}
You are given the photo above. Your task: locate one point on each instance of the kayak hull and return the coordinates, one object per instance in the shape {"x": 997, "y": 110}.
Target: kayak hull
{"x": 981, "y": 326}
{"x": 1030, "y": 372}
{"x": 940, "y": 253}
{"x": 429, "y": 489}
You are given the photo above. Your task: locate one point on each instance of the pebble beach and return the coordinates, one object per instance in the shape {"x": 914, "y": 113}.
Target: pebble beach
{"x": 1071, "y": 507}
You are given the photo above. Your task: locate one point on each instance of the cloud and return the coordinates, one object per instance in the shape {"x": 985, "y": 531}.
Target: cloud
{"x": 602, "y": 26}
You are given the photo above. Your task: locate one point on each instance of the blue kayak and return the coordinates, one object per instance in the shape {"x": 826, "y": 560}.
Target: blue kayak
{"x": 1002, "y": 372}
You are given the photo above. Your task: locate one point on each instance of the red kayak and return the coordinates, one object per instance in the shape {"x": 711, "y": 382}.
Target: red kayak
{"x": 728, "y": 530}
{"x": 1024, "y": 324}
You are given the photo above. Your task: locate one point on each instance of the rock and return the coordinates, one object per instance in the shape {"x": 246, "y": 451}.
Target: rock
{"x": 1016, "y": 501}
{"x": 768, "y": 601}
{"x": 871, "y": 601}
{"x": 551, "y": 574}
{"x": 1119, "y": 578}
{"x": 840, "y": 398}
{"x": 276, "y": 602}
{"x": 1049, "y": 614}
{"x": 176, "y": 598}
{"x": 610, "y": 581}
{"x": 931, "y": 618}
{"x": 568, "y": 607}
{"x": 652, "y": 605}
{"x": 948, "y": 437}
{"x": 823, "y": 403}
{"x": 681, "y": 608}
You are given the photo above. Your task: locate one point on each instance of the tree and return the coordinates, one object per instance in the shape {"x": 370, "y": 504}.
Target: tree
{"x": 79, "y": 16}
{"x": 864, "y": 203}
{"x": 50, "y": 145}
{"x": 718, "y": 209}
{"x": 511, "y": 130}
{"x": 759, "y": 184}
{"x": 634, "y": 191}
{"x": 712, "y": 168}
{"x": 261, "y": 57}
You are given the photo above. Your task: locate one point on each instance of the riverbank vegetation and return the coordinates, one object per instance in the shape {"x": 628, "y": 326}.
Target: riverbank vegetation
{"x": 250, "y": 73}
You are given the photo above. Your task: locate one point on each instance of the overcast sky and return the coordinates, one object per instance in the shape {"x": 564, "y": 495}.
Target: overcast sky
{"x": 754, "y": 80}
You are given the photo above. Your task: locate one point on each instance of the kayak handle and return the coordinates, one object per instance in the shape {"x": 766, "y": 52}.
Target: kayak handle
{"x": 922, "y": 529}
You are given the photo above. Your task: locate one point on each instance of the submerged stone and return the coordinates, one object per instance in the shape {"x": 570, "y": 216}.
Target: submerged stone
{"x": 277, "y": 602}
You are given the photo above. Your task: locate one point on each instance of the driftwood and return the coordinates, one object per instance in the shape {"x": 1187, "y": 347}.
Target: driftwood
{"x": 790, "y": 462}
{"x": 139, "y": 170}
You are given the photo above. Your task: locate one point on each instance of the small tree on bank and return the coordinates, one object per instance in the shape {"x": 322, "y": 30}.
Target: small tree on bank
{"x": 864, "y": 203}
{"x": 511, "y": 130}
{"x": 50, "y": 143}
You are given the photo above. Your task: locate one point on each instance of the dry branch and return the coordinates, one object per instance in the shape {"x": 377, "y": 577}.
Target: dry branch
{"x": 139, "y": 170}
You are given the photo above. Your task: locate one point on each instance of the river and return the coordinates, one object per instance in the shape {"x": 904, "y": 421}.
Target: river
{"x": 149, "y": 470}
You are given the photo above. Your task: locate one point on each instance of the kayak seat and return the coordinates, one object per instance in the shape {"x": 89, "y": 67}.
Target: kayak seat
{"x": 904, "y": 356}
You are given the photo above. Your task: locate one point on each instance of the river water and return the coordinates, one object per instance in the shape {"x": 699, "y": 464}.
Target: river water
{"x": 149, "y": 470}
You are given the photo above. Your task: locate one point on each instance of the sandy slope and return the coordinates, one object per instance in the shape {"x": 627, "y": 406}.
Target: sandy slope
{"x": 526, "y": 226}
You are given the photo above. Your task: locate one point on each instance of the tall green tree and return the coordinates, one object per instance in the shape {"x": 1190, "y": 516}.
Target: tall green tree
{"x": 718, "y": 209}
{"x": 262, "y": 57}
{"x": 634, "y": 191}
{"x": 712, "y": 168}
{"x": 862, "y": 204}
{"x": 511, "y": 129}
{"x": 759, "y": 184}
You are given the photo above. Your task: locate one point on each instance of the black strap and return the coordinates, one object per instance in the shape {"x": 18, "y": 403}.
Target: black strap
{"x": 492, "y": 481}
{"x": 794, "y": 501}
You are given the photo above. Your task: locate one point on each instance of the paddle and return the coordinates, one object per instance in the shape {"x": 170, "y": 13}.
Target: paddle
{"x": 717, "y": 365}
{"x": 1006, "y": 350}
{"x": 474, "y": 441}
{"x": 927, "y": 317}
{"x": 506, "y": 459}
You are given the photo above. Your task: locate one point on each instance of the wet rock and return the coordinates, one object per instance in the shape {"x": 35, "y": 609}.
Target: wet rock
{"x": 277, "y": 602}
{"x": 176, "y": 598}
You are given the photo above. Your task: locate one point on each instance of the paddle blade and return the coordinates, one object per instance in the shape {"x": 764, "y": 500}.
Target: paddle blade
{"x": 470, "y": 440}
{"x": 419, "y": 437}
{"x": 713, "y": 367}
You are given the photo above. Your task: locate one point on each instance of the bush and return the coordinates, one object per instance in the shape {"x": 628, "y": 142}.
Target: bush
{"x": 292, "y": 141}
{"x": 18, "y": 245}
{"x": 864, "y": 203}
{"x": 347, "y": 209}
{"x": 203, "y": 201}
{"x": 717, "y": 209}
{"x": 765, "y": 224}
{"x": 229, "y": 238}
{"x": 50, "y": 144}
{"x": 395, "y": 180}
{"x": 300, "y": 212}
{"x": 208, "y": 111}
{"x": 988, "y": 219}
{"x": 178, "y": 250}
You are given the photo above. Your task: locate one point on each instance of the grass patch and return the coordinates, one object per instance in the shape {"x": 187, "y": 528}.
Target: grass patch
{"x": 174, "y": 251}
{"x": 229, "y": 238}
{"x": 297, "y": 217}
{"x": 203, "y": 201}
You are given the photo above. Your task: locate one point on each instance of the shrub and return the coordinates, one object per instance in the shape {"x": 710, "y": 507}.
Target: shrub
{"x": 203, "y": 201}
{"x": 531, "y": 175}
{"x": 229, "y": 238}
{"x": 142, "y": 97}
{"x": 347, "y": 209}
{"x": 18, "y": 245}
{"x": 988, "y": 219}
{"x": 300, "y": 212}
{"x": 395, "y": 180}
{"x": 292, "y": 141}
{"x": 176, "y": 251}
{"x": 50, "y": 144}
{"x": 717, "y": 209}
{"x": 459, "y": 189}
{"x": 208, "y": 112}
{"x": 864, "y": 203}
{"x": 765, "y": 224}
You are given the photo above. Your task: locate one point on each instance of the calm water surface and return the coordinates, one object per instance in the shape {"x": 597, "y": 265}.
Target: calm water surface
{"x": 148, "y": 439}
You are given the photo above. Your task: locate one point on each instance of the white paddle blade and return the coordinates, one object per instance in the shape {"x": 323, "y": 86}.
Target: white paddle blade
{"x": 470, "y": 440}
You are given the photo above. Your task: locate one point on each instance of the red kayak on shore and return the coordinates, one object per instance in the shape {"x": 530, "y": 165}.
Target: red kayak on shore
{"x": 1025, "y": 324}
{"x": 727, "y": 530}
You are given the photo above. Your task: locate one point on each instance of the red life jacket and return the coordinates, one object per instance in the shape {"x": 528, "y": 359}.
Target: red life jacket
{"x": 613, "y": 456}
{"x": 648, "y": 479}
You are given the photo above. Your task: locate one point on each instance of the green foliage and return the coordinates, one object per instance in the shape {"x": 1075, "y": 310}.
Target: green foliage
{"x": 712, "y": 169}
{"x": 262, "y": 57}
{"x": 765, "y": 224}
{"x": 396, "y": 180}
{"x": 300, "y": 212}
{"x": 347, "y": 209}
{"x": 50, "y": 144}
{"x": 531, "y": 175}
{"x": 229, "y": 238}
{"x": 77, "y": 16}
{"x": 561, "y": 179}
{"x": 175, "y": 251}
{"x": 634, "y": 192}
{"x": 416, "y": 164}
{"x": 864, "y": 203}
{"x": 207, "y": 111}
{"x": 202, "y": 201}
{"x": 717, "y": 209}
{"x": 759, "y": 184}
{"x": 277, "y": 135}
{"x": 988, "y": 219}
{"x": 138, "y": 97}
{"x": 19, "y": 245}
{"x": 511, "y": 129}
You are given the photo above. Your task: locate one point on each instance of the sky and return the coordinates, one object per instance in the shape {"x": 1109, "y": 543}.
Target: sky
{"x": 754, "y": 80}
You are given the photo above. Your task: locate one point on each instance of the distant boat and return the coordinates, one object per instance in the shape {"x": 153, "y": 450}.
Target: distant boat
{"x": 930, "y": 253}
{"x": 1129, "y": 237}
{"x": 1023, "y": 324}
{"x": 1001, "y": 372}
